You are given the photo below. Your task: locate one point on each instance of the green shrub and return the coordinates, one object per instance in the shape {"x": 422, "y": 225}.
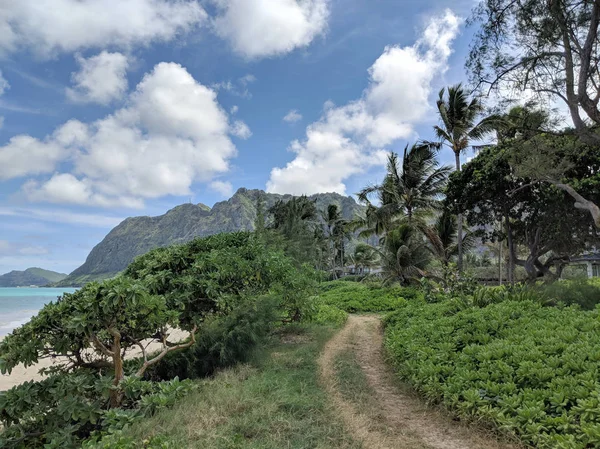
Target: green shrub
{"x": 583, "y": 293}
{"x": 328, "y": 314}
{"x": 531, "y": 370}
{"x": 72, "y": 407}
{"x": 365, "y": 297}
{"x": 222, "y": 341}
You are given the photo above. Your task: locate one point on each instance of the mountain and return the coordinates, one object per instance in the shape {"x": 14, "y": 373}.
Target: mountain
{"x": 138, "y": 235}
{"x": 31, "y": 276}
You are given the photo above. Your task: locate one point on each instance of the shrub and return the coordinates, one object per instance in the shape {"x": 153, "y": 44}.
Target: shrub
{"x": 328, "y": 314}
{"x": 222, "y": 341}
{"x": 583, "y": 293}
{"x": 360, "y": 297}
{"x": 530, "y": 370}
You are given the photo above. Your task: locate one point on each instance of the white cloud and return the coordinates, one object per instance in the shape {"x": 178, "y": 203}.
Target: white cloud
{"x": 101, "y": 78}
{"x": 234, "y": 109}
{"x": 62, "y": 216}
{"x": 19, "y": 249}
{"x": 25, "y": 155}
{"x": 3, "y": 84}
{"x": 3, "y": 87}
{"x": 172, "y": 132}
{"x": 223, "y": 187}
{"x": 293, "y": 116}
{"x": 349, "y": 139}
{"x": 264, "y": 28}
{"x": 49, "y": 27}
{"x": 241, "y": 130}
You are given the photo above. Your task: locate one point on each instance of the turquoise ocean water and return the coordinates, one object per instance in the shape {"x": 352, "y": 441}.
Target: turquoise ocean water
{"x": 17, "y": 305}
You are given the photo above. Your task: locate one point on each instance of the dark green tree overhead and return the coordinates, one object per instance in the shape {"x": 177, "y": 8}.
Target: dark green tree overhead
{"x": 550, "y": 47}
{"x": 536, "y": 216}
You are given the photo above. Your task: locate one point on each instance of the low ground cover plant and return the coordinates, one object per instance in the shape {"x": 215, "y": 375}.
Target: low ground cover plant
{"x": 529, "y": 369}
{"x": 365, "y": 297}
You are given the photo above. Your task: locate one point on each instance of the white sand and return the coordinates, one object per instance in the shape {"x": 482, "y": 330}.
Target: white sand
{"x": 21, "y": 374}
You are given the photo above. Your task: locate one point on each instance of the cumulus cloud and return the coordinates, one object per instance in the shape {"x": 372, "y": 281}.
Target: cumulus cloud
{"x": 223, "y": 187}
{"x": 350, "y": 138}
{"x": 49, "y": 27}
{"x": 263, "y": 28}
{"x": 171, "y": 133}
{"x": 101, "y": 78}
{"x": 293, "y": 116}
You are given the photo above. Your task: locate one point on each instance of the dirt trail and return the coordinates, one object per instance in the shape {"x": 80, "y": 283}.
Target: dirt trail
{"x": 402, "y": 421}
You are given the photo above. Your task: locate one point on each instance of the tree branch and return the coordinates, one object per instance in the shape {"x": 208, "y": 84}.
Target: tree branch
{"x": 166, "y": 350}
{"x": 580, "y": 201}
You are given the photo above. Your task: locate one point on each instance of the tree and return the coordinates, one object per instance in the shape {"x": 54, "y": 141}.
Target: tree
{"x": 295, "y": 220}
{"x": 337, "y": 232}
{"x": 364, "y": 257}
{"x": 488, "y": 190}
{"x": 442, "y": 236}
{"x": 459, "y": 126}
{"x": 113, "y": 317}
{"x": 550, "y": 48}
{"x": 412, "y": 189}
{"x": 405, "y": 255}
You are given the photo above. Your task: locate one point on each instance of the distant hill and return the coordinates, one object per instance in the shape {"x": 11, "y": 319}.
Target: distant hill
{"x": 138, "y": 235}
{"x": 31, "y": 276}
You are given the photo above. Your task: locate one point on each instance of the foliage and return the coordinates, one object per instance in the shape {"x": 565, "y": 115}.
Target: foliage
{"x": 583, "y": 293}
{"x": 528, "y": 369}
{"x": 327, "y": 314}
{"x": 551, "y": 49}
{"x": 488, "y": 191}
{"x": 405, "y": 255}
{"x": 412, "y": 186}
{"x": 360, "y": 297}
{"x": 94, "y": 328}
{"x": 61, "y": 410}
{"x": 223, "y": 341}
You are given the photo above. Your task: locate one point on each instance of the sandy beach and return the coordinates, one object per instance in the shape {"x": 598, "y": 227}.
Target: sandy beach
{"x": 21, "y": 374}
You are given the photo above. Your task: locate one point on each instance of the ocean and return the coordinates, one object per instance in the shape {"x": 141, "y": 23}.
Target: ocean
{"x": 18, "y": 305}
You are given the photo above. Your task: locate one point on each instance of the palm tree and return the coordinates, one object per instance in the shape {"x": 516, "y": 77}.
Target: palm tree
{"x": 364, "y": 256}
{"x": 459, "y": 126}
{"x": 405, "y": 255}
{"x": 411, "y": 189}
{"x": 443, "y": 239}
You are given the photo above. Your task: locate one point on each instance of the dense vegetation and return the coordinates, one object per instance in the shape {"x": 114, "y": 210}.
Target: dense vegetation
{"x": 226, "y": 291}
{"x": 528, "y": 369}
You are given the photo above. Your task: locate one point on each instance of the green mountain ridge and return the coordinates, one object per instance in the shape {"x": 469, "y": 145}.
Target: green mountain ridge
{"x": 138, "y": 235}
{"x": 31, "y": 276}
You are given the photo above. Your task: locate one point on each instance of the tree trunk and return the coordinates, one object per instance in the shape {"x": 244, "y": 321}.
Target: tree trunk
{"x": 511, "y": 252}
{"x": 116, "y": 395}
{"x": 459, "y": 222}
{"x": 581, "y": 202}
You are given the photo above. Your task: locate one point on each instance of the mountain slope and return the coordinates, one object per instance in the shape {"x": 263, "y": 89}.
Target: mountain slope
{"x": 31, "y": 276}
{"x": 138, "y": 235}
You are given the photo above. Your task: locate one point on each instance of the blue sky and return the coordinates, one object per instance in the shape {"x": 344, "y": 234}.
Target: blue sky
{"x": 115, "y": 108}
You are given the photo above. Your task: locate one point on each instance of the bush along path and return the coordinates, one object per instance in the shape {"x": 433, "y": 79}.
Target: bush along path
{"x": 383, "y": 416}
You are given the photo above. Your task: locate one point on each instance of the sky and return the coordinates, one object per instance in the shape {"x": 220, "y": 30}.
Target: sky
{"x": 118, "y": 108}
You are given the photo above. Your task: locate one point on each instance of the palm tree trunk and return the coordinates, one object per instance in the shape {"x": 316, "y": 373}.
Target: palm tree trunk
{"x": 459, "y": 222}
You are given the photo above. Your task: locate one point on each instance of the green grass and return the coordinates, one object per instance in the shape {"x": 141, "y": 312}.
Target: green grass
{"x": 361, "y": 297}
{"x": 274, "y": 402}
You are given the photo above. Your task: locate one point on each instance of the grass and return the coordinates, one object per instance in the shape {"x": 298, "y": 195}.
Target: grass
{"x": 271, "y": 403}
